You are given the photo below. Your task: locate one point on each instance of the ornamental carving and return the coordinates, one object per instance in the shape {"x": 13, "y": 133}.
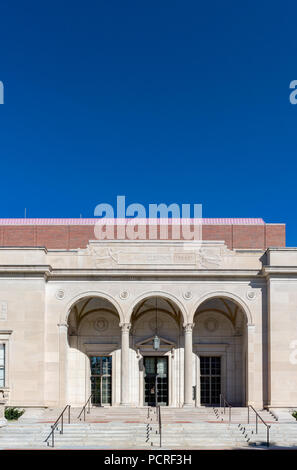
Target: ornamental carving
{"x": 124, "y": 295}
{"x": 60, "y": 294}
{"x": 211, "y": 324}
{"x": 101, "y": 324}
{"x": 189, "y": 327}
{"x": 187, "y": 295}
{"x": 197, "y": 256}
{"x": 125, "y": 327}
{"x": 251, "y": 295}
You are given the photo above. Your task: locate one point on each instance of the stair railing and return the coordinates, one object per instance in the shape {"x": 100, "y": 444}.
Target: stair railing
{"x": 160, "y": 423}
{"x": 224, "y": 404}
{"x": 87, "y": 406}
{"x": 55, "y": 426}
{"x": 259, "y": 417}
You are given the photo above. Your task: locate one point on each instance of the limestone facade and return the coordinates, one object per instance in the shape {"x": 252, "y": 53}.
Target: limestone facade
{"x": 59, "y": 308}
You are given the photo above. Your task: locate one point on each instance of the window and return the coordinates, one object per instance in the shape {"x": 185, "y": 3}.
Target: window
{"x": 2, "y": 365}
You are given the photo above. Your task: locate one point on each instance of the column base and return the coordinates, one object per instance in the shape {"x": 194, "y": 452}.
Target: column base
{"x": 188, "y": 405}
{"x": 125, "y": 404}
{"x": 3, "y": 422}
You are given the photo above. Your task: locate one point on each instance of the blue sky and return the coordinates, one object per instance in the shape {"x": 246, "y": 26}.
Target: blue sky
{"x": 161, "y": 101}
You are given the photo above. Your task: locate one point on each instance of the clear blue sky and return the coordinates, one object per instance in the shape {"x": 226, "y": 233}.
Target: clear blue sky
{"x": 161, "y": 101}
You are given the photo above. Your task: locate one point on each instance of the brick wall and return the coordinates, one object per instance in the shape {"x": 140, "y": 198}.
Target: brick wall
{"x": 77, "y": 236}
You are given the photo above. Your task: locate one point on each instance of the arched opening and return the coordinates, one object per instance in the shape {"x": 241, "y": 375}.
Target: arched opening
{"x": 94, "y": 338}
{"x": 156, "y": 336}
{"x": 220, "y": 348}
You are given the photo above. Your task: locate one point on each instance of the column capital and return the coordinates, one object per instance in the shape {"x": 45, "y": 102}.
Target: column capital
{"x": 188, "y": 327}
{"x": 125, "y": 327}
{"x": 63, "y": 325}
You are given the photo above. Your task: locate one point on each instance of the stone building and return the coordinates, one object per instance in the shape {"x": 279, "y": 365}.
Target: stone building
{"x": 140, "y": 322}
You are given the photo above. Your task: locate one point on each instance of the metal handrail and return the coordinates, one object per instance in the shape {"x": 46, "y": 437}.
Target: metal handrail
{"x": 257, "y": 415}
{"x": 160, "y": 424}
{"x": 83, "y": 410}
{"x": 225, "y": 403}
{"x": 55, "y": 425}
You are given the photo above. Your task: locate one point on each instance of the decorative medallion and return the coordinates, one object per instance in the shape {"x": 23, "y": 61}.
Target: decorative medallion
{"x": 124, "y": 294}
{"x": 251, "y": 294}
{"x": 60, "y": 294}
{"x": 187, "y": 295}
{"x": 101, "y": 324}
{"x": 211, "y": 324}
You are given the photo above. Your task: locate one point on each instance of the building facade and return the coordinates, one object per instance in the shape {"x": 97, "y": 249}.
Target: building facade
{"x": 140, "y": 322}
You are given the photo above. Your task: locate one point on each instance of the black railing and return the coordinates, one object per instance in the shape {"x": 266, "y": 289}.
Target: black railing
{"x": 224, "y": 404}
{"x": 258, "y": 416}
{"x": 55, "y": 426}
{"x": 87, "y": 406}
{"x": 160, "y": 423}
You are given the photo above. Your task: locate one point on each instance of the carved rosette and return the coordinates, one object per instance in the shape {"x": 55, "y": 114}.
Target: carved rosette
{"x": 187, "y": 295}
{"x": 251, "y": 295}
{"x": 60, "y": 294}
{"x": 124, "y": 295}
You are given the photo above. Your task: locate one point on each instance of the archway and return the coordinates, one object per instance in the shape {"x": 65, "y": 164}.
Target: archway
{"x": 220, "y": 348}
{"x": 156, "y": 338}
{"x": 94, "y": 339}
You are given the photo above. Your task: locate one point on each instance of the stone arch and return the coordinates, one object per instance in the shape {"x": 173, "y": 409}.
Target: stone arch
{"x": 93, "y": 294}
{"x": 157, "y": 314}
{"x": 225, "y": 295}
{"x": 161, "y": 294}
{"x": 220, "y": 338}
{"x": 94, "y": 337}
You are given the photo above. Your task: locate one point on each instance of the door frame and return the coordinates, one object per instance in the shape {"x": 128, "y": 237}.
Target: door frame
{"x": 100, "y": 377}
{"x": 106, "y": 349}
{"x": 156, "y": 356}
{"x": 210, "y": 350}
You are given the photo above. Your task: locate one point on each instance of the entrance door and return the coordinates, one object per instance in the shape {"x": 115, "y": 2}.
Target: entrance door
{"x": 101, "y": 367}
{"x": 155, "y": 381}
{"x": 210, "y": 380}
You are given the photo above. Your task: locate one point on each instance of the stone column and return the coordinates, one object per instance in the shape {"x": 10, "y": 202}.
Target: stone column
{"x": 63, "y": 341}
{"x": 198, "y": 392}
{"x": 125, "y": 364}
{"x": 188, "y": 352}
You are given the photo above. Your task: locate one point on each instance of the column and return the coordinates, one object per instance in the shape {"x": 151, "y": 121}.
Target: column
{"x": 188, "y": 329}
{"x": 198, "y": 392}
{"x": 63, "y": 341}
{"x": 125, "y": 364}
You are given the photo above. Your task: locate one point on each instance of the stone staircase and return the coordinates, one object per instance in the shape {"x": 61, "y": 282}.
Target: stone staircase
{"x": 137, "y": 428}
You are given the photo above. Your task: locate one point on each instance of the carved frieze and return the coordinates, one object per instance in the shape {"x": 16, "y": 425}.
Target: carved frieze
{"x": 196, "y": 256}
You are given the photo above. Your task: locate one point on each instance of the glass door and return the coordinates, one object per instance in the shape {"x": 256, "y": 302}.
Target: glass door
{"x": 210, "y": 380}
{"x": 101, "y": 369}
{"x": 155, "y": 380}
